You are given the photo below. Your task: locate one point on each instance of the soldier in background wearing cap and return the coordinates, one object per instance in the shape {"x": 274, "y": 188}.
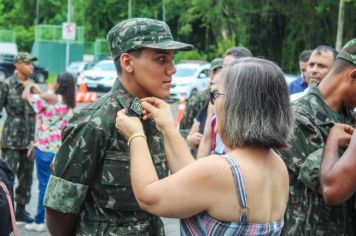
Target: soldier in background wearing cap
{"x": 196, "y": 131}
{"x": 18, "y": 131}
{"x": 315, "y": 114}
{"x": 89, "y": 192}
{"x": 199, "y": 100}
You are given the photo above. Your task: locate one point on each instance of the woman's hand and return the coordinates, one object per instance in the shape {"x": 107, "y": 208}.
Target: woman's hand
{"x": 160, "y": 111}
{"x": 128, "y": 125}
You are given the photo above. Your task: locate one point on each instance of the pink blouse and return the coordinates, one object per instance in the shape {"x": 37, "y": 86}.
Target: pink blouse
{"x": 50, "y": 120}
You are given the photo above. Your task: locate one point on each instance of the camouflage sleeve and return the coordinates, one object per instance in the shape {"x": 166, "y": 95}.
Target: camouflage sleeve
{"x": 187, "y": 120}
{"x": 310, "y": 170}
{"x": 3, "y": 94}
{"x": 64, "y": 196}
{"x": 192, "y": 108}
{"x": 303, "y": 157}
{"x": 75, "y": 164}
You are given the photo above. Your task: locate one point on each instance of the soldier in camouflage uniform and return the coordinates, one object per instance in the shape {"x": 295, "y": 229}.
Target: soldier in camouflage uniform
{"x": 196, "y": 102}
{"x": 90, "y": 188}
{"x": 18, "y": 131}
{"x": 197, "y": 128}
{"x": 315, "y": 113}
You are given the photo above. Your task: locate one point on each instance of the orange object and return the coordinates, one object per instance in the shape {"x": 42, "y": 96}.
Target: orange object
{"x": 83, "y": 95}
{"x": 180, "y": 110}
{"x": 82, "y": 86}
{"x": 87, "y": 97}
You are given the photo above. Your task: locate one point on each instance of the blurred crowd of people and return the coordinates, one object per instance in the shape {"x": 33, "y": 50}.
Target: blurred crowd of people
{"x": 252, "y": 154}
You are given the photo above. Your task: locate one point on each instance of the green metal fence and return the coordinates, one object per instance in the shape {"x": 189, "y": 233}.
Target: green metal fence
{"x": 53, "y": 33}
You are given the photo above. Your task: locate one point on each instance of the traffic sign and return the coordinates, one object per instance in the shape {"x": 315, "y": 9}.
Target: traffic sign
{"x": 68, "y": 31}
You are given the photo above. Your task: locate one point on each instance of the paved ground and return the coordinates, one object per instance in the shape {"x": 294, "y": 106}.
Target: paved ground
{"x": 171, "y": 225}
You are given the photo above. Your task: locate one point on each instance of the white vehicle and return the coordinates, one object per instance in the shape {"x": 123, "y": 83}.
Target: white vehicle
{"x": 189, "y": 79}
{"x": 77, "y": 67}
{"x": 100, "y": 77}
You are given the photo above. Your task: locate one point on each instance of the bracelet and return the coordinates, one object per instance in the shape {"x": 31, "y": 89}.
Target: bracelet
{"x": 135, "y": 136}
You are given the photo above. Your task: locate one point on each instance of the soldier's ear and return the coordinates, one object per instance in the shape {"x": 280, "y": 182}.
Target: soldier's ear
{"x": 126, "y": 63}
{"x": 353, "y": 74}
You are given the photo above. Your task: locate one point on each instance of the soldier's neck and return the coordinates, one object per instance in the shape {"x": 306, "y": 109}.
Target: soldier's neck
{"x": 21, "y": 77}
{"x": 131, "y": 86}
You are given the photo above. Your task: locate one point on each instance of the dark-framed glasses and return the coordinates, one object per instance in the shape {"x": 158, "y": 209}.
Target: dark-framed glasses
{"x": 214, "y": 95}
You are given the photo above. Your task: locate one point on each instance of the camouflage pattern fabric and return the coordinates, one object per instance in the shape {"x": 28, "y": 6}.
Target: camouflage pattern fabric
{"x": 24, "y": 57}
{"x": 23, "y": 166}
{"x": 91, "y": 171}
{"x": 19, "y": 127}
{"x": 194, "y": 104}
{"x": 18, "y": 131}
{"x": 138, "y": 33}
{"x": 343, "y": 54}
{"x": 216, "y": 63}
{"x": 307, "y": 213}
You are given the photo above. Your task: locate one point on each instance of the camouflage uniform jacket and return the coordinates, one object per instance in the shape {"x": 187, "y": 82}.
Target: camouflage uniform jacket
{"x": 191, "y": 111}
{"x": 91, "y": 171}
{"x": 307, "y": 213}
{"x": 19, "y": 126}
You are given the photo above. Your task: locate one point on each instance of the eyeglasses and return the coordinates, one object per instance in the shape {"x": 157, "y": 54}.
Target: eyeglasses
{"x": 214, "y": 95}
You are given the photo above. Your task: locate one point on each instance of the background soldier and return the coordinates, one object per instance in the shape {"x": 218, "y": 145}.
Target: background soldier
{"x": 90, "y": 191}
{"x": 314, "y": 114}
{"x": 196, "y": 130}
{"x": 18, "y": 131}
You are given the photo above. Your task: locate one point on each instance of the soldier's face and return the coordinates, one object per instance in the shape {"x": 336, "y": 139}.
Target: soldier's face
{"x": 24, "y": 68}
{"x": 153, "y": 70}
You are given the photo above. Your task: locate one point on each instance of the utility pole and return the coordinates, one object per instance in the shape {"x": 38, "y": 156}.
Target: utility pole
{"x": 163, "y": 11}
{"x": 340, "y": 25}
{"x": 37, "y": 12}
{"x": 129, "y": 13}
{"x": 69, "y": 9}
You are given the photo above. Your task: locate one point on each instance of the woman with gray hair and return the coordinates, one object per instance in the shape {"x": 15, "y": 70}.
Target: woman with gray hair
{"x": 243, "y": 192}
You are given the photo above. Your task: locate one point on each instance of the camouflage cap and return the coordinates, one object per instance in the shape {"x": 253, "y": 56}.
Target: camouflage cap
{"x": 348, "y": 52}
{"x": 24, "y": 57}
{"x": 138, "y": 33}
{"x": 216, "y": 63}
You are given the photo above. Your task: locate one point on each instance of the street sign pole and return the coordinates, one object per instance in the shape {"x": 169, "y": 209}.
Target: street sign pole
{"x": 68, "y": 20}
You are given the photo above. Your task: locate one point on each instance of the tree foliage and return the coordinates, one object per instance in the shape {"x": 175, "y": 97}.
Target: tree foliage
{"x": 275, "y": 29}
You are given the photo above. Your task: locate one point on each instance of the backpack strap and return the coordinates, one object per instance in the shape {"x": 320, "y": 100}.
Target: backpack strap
{"x": 13, "y": 219}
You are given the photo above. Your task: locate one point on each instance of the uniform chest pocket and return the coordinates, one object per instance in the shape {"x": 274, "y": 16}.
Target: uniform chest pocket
{"x": 116, "y": 192}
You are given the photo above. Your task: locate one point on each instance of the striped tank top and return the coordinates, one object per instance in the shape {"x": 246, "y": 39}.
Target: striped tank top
{"x": 204, "y": 224}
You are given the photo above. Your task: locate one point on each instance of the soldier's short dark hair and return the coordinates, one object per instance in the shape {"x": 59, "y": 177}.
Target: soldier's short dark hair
{"x": 136, "y": 53}
{"x": 238, "y": 52}
{"x": 346, "y": 58}
{"x": 323, "y": 48}
{"x": 305, "y": 55}
{"x": 256, "y": 109}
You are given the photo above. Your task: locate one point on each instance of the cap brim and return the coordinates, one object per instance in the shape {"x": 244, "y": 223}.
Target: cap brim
{"x": 33, "y": 59}
{"x": 170, "y": 45}
{"x": 216, "y": 67}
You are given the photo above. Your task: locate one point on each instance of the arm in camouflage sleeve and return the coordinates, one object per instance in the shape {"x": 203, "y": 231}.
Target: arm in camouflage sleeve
{"x": 192, "y": 108}
{"x": 3, "y": 94}
{"x": 74, "y": 166}
{"x": 303, "y": 158}
{"x": 188, "y": 118}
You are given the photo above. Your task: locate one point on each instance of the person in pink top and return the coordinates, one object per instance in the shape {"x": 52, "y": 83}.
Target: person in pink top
{"x": 53, "y": 110}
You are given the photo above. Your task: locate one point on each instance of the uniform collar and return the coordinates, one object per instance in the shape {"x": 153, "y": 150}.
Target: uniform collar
{"x": 126, "y": 100}
{"x": 14, "y": 80}
{"x": 323, "y": 114}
